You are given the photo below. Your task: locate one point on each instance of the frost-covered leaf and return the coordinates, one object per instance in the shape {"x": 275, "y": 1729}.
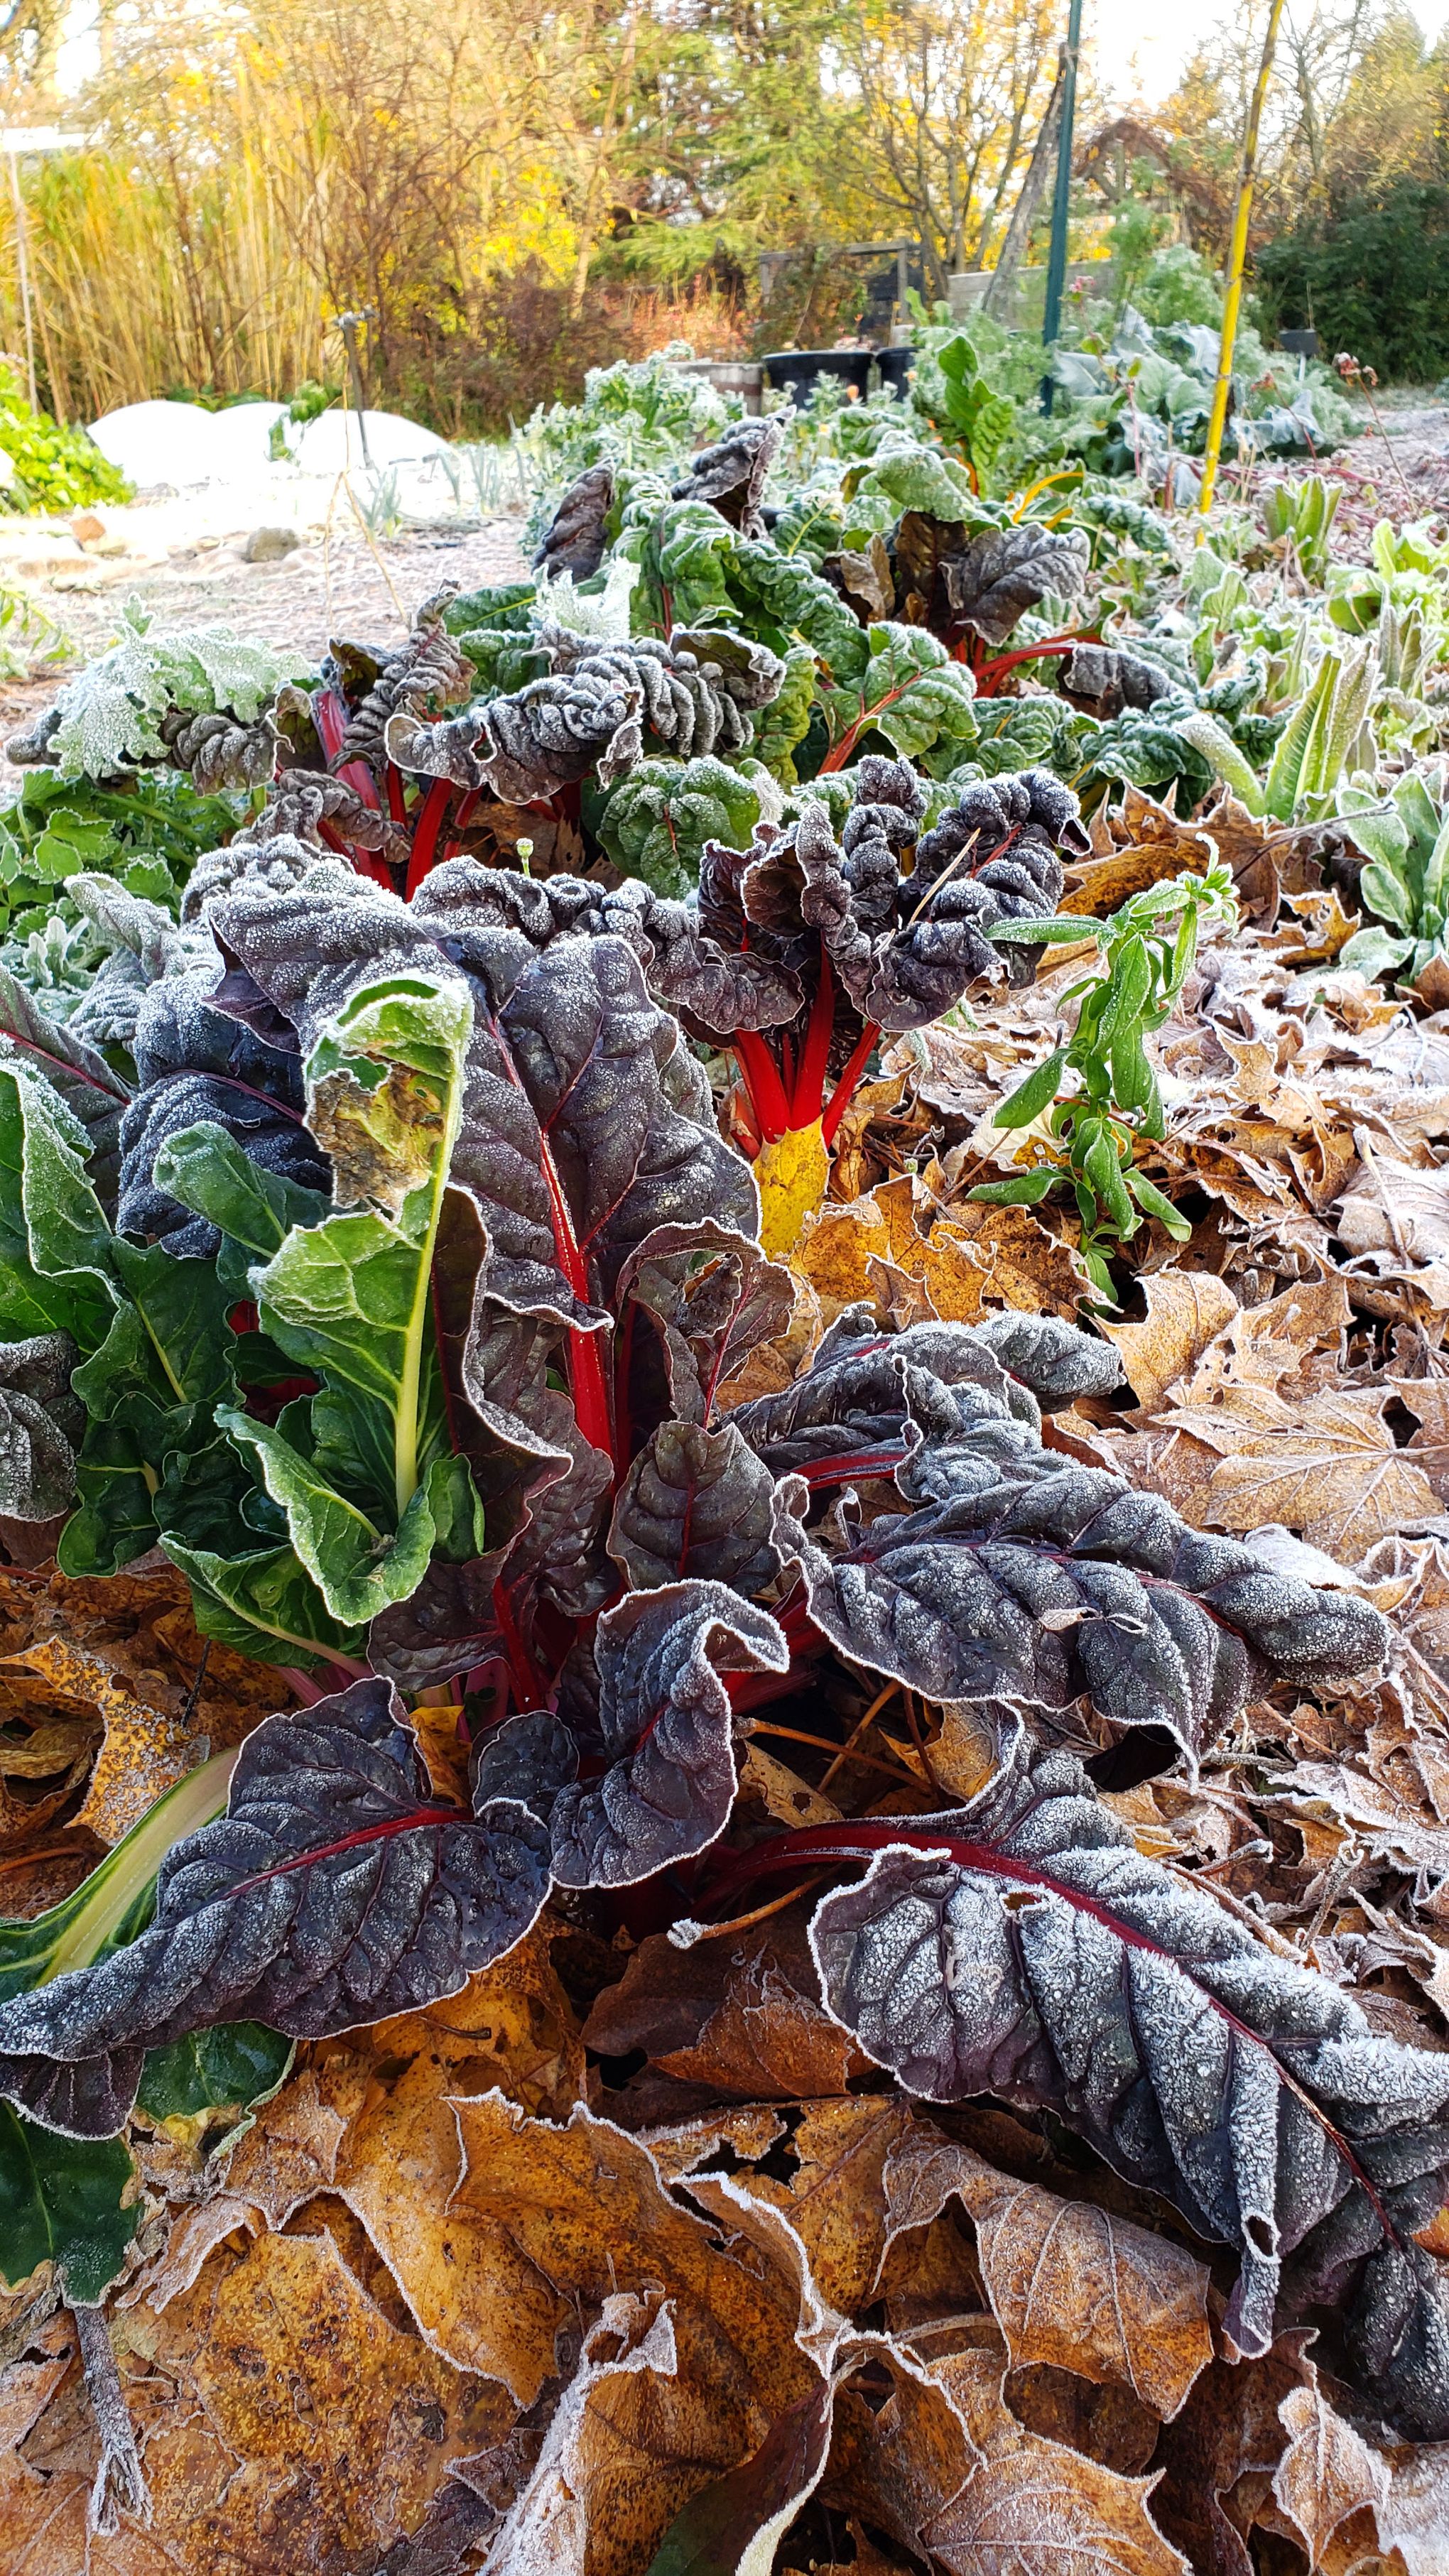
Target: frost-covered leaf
{"x": 593, "y": 710}
{"x": 335, "y": 1889}
{"x": 695, "y": 1503}
{"x": 1021, "y": 1572}
{"x": 712, "y": 1297}
{"x": 94, "y": 1093}
{"x": 575, "y": 540}
{"x": 733, "y": 473}
{"x": 41, "y": 1426}
{"x": 110, "y": 714}
{"x": 1024, "y": 1947}
{"x": 1006, "y": 571}
{"x": 907, "y": 688}
{"x": 55, "y": 1273}
{"x": 665, "y": 1719}
{"x": 655, "y": 822}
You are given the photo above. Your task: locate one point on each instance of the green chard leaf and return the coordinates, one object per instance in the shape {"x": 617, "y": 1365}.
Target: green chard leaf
{"x": 347, "y": 1300}
{"x": 55, "y": 1243}
{"x": 73, "y": 2202}
{"x": 214, "y": 2077}
{"x": 910, "y": 690}
{"x": 655, "y": 821}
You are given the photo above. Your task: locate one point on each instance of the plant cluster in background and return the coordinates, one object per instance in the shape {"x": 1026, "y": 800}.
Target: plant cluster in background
{"x": 49, "y": 467}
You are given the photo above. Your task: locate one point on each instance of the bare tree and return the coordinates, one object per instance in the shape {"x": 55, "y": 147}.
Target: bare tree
{"x": 950, "y": 90}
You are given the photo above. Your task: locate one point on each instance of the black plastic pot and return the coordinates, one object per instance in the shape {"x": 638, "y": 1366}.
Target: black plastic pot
{"x": 795, "y": 371}
{"x": 896, "y": 367}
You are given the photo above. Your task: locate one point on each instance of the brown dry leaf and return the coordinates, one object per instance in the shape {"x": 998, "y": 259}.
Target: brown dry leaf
{"x": 1396, "y": 1207}
{"x": 631, "y": 2439}
{"x": 901, "y": 2455}
{"x": 279, "y": 2409}
{"x": 982, "y": 1258}
{"x": 42, "y": 2512}
{"x": 1031, "y": 2504}
{"x": 119, "y": 1658}
{"x": 1329, "y": 1467}
{"x": 741, "y": 2016}
{"x": 749, "y": 2133}
{"x": 1415, "y": 2519}
{"x": 285, "y": 2158}
{"x": 837, "y": 1248}
{"x": 1262, "y": 857}
{"x": 967, "y": 1752}
{"x": 1320, "y": 930}
{"x": 1219, "y": 2457}
{"x": 781, "y": 1792}
{"x": 1428, "y": 1399}
{"x": 1186, "y": 1309}
{"x": 1069, "y": 2285}
{"x": 1136, "y": 845}
{"x": 497, "y": 2227}
{"x": 512, "y": 2026}
{"x": 1327, "y": 2475}
{"x": 835, "y": 2199}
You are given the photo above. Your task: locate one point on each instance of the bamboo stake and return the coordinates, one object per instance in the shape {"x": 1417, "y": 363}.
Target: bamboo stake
{"x": 1237, "y": 256}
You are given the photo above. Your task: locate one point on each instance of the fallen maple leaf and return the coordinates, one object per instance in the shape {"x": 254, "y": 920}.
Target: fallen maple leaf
{"x": 1069, "y": 2285}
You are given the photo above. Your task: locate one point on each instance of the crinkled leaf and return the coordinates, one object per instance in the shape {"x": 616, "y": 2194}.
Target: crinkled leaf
{"x": 1006, "y": 571}
{"x": 799, "y": 606}
{"x": 864, "y": 1388}
{"x": 41, "y": 1427}
{"x": 907, "y": 688}
{"x": 711, "y": 1296}
{"x": 1036, "y": 1954}
{"x": 1021, "y": 1573}
{"x": 733, "y": 473}
{"x": 921, "y": 478}
{"x": 695, "y": 1503}
{"x": 655, "y": 822}
{"x": 665, "y": 1719}
{"x": 335, "y": 1889}
{"x": 575, "y": 540}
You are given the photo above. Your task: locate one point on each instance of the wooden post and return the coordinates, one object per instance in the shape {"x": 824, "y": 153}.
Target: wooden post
{"x": 1237, "y": 258}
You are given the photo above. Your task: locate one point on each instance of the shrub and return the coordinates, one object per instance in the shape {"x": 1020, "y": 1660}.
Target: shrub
{"x": 1373, "y": 278}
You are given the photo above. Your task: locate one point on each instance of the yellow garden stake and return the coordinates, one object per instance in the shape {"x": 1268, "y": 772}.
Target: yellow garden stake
{"x": 1236, "y": 257}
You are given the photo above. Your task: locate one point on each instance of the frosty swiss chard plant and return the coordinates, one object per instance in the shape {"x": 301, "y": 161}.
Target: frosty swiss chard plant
{"x": 368, "y": 1243}
{"x": 405, "y": 1333}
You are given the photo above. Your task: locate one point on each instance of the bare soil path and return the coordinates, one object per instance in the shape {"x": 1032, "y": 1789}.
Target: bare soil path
{"x": 184, "y": 558}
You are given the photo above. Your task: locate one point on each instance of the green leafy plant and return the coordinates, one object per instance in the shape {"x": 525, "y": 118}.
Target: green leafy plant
{"x": 1326, "y": 737}
{"x": 55, "y": 468}
{"x": 1093, "y": 1128}
{"x": 146, "y": 833}
{"x": 1405, "y": 840}
{"x": 1303, "y": 513}
{"x": 952, "y": 390}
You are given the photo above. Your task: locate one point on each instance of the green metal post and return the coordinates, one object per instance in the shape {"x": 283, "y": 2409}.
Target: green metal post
{"x": 1062, "y": 195}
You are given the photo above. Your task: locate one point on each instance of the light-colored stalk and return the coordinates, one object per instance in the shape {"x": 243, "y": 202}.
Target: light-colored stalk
{"x": 1237, "y": 258}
